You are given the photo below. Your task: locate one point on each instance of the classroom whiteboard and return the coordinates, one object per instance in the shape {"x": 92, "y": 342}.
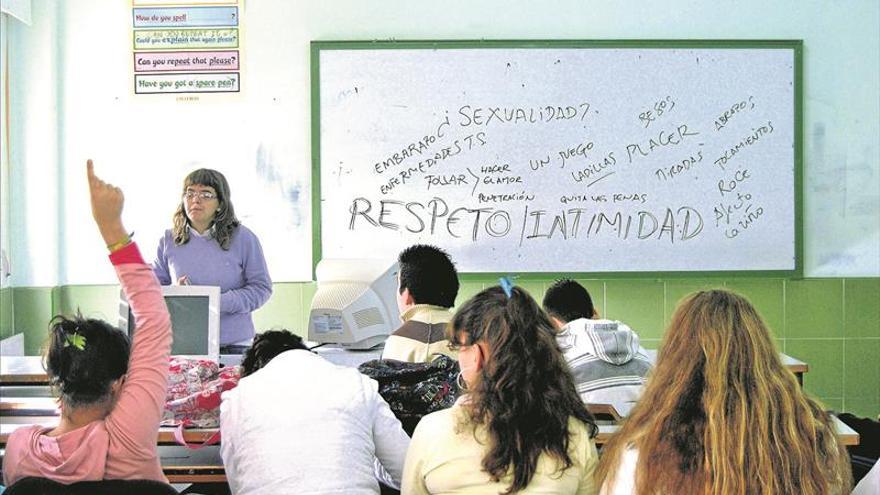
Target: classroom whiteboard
{"x": 561, "y": 157}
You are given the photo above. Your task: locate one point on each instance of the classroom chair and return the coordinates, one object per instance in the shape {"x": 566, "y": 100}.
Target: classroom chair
{"x": 604, "y": 412}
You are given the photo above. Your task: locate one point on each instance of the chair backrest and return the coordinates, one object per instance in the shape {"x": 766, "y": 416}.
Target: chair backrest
{"x": 43, "y": 486}
{"x": 604, "y": 412}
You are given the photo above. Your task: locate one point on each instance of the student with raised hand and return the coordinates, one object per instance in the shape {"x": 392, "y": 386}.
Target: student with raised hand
{"x": 721, "y": 415}
{"x": 608, "y": 364}
{"x": 299, "y": 424}
{"x": 520, "y": 426}
{"x": 209, "y": 246}
{"x": 427, "y": 287}
{"x": 112, "y": 395}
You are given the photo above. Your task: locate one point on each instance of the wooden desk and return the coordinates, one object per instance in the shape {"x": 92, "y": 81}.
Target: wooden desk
{"x": 22, "y": 370}
{"x": 610, "y": 412}
{"x": 28, "y": 406}
{"x": 182, "y": 465}
{"x": 847, "y": 435}
{"x": 26, "y": 391}
{"x": 28, "y": 370}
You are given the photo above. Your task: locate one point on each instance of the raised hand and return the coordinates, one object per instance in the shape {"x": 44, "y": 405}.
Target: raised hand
{"x": 107, "y": 201}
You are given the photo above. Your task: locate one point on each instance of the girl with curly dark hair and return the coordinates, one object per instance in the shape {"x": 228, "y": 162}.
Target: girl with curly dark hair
{"x": 521, "y": 426}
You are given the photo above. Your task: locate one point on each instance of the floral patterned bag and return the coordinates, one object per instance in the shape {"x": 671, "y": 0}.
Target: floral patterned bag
{"x": 193, "y": 397}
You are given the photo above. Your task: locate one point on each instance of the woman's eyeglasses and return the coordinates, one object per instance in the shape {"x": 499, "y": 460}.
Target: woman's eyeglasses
{"x": 203, "y": 195}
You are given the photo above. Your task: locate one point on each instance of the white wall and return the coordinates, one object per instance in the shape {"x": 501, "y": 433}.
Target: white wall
{"x": 4, "y": 162}
{"x": 72, "y": 99}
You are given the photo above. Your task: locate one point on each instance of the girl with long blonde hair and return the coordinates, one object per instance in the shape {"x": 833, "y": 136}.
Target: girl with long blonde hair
{"x": 722, "y": 415}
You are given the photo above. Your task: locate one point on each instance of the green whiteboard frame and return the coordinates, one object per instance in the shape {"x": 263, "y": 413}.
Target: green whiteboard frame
{"x": 795, "y": 45}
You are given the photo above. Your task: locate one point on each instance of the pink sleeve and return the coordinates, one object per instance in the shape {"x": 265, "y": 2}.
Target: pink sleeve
{"x": 134, "y": 422}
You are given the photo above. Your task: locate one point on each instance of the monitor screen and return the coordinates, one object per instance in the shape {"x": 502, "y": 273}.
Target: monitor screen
{"x": 195, "y": 323}
{"x": 355, "y": 304}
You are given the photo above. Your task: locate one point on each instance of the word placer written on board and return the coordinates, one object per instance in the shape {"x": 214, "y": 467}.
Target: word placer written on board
{"x": 657, "y": 169}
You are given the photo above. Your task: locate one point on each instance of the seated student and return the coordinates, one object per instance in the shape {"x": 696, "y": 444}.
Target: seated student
{"x": 864, "y": 456}
{"x": 427, "y": 287}
{"x": 605, "y": 357}
{"x": 299, "y": 424}
{"x": 722, "y": 415}
{"x": 111, "y": 400}
{"x": 520, "y": 425}
{"x": 870, "y": 484}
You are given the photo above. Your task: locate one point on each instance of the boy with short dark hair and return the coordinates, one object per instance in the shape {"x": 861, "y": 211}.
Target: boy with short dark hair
{"x": 605, "y": 357}
{"x": 427, "y": 287}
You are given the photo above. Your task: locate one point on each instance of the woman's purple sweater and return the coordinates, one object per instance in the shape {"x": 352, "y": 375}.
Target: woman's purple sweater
{"x": 240, "y": 273}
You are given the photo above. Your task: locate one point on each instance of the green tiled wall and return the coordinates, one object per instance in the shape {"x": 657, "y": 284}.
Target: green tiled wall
{"x": 93, "y": 301}
{"x": 6, "y": 325}
{"x": 642, "y": 301}
{"x": 831, "y": 324}
{"x": 32, "y": 309}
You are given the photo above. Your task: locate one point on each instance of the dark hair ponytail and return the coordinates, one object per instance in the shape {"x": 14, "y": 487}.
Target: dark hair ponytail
{"x": 525, "y": 394}
{"x": 84, "y": 357}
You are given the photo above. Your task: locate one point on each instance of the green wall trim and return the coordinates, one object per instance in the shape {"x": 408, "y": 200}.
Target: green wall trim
{"x": 6, "y": 311}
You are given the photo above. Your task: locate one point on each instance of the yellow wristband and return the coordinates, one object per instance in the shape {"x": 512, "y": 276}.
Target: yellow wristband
{"x": 125, "y": 241}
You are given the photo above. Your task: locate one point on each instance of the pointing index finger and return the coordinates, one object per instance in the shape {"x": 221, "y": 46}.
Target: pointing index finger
{"x": 90, "y": 170}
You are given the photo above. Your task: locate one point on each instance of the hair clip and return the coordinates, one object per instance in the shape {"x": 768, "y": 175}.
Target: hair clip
{"x": 75, "y": 340}
{"x": 506, "y": 286}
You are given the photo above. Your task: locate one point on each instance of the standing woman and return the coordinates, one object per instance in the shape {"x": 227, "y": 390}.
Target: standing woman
{"x": 721, "y": 415}
{"x": 209, "y": 246}
{"x": 521, "y": 426}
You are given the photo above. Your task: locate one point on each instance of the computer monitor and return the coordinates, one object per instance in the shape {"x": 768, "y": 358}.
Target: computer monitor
{"x": 195, "y": 320}
{"x": 355, "y": 304}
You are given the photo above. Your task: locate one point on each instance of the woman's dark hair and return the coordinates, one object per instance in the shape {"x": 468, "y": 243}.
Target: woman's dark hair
{"x": 84, "y": 357}
{"x": 266, "y": 346}
{"x": 525, "y": 393}
{"x": 225, "y": 221}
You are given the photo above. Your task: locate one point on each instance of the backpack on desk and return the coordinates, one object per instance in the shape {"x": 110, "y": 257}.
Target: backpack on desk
{"x": 414, "y": 389}
{"x": 193, "y": 396}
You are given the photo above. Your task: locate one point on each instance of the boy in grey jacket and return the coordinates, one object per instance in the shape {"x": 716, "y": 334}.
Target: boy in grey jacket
{"x": 608, "y": 364}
